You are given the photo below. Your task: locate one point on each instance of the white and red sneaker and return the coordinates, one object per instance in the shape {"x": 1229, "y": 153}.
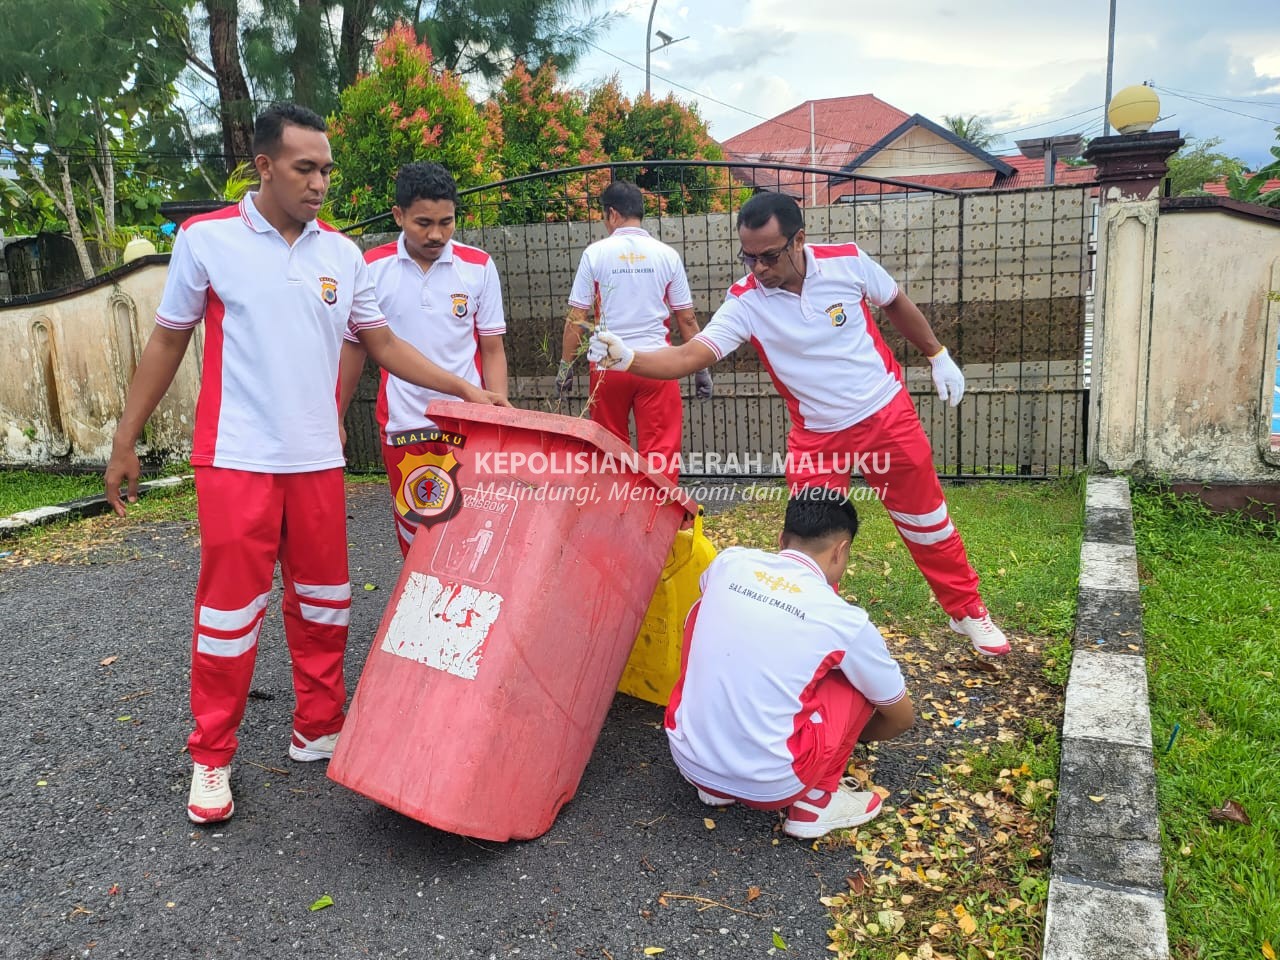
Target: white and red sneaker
{"x": 210, "y": 798}
{"x": 820, "y": 812}
{"x": 988, "y": 639}
{"x": 304, "y": 750}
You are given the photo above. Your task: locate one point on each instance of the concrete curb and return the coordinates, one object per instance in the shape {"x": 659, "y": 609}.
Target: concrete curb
{"x": 74, "y": 509}
{"x": 1106, "y": 887}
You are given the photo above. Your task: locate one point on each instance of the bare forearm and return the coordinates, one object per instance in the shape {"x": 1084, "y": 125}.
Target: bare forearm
{"x": 493, "y": 364}
{"x": 889, "y": 722}
{"x": 672, "y": 363}
{"x": 401, "y": 359}
{"x": 156, "y": 369}
{"x": 350, "y": 367}
{"x": 687, "y": 323}
{"x": 574, "y": 324}
{"x": 909, "y": 321}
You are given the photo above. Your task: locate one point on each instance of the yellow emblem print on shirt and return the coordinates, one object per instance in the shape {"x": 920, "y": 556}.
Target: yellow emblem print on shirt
{"x": 329, "y": 290}
{"x": 775, "y": 583}
{"x": 459, "y": 304}
{"x": 837, "y": 314}
{"x": 631, "y": 259}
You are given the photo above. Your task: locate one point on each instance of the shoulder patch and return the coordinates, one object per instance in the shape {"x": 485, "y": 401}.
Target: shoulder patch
{"x": 379, "y": 253}
{"x": 469, "y": 254}
{"x": 824, "y": 251}
{"x": 742, "y": 286}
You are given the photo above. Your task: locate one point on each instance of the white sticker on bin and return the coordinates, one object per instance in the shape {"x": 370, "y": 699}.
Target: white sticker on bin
{"x": 442, "y": 624}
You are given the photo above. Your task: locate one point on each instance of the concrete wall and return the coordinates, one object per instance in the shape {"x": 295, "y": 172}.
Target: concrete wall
{"x": 1186, "y": 343}
{"x": 66, "y": 362}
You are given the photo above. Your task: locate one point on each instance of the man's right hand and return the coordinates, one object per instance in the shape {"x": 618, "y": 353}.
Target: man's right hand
{"x": 608, "y": 351}
{"x": 479, "y": 395}
{"x": 122, "y": 468}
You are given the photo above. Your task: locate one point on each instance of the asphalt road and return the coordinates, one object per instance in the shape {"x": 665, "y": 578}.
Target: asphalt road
{"x": 97, "y": 858}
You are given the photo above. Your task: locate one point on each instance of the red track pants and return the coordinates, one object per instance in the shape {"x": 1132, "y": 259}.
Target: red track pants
{"x": 892, "y": 453}
{"x": 658, "y": 409}
{"x": 247, "y": 522}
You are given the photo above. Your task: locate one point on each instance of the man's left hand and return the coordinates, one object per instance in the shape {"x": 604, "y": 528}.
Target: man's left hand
{"x": 947, "y": 377}
{"x": 703, "y": 386}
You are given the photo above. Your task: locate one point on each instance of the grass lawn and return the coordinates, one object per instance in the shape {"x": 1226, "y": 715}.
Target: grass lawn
{"x": 957, "y": 866}
{"x": 1211, "y": 616}
{"x": 25, "y": 489}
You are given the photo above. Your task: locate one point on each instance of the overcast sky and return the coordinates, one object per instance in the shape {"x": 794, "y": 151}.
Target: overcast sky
{"x": 1031, "y": 68}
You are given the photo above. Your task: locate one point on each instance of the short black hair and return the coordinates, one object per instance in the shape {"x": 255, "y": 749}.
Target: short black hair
{"x": 819, "y": 513}
{"x": 766, "y": 205}
{"x": 624, "y": 197}
{"x": 269, "y": 127}
{"x": 424, "y": 181}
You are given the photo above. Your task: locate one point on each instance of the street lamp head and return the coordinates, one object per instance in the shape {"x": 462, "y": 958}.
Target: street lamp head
{"x": 666, "y": 38}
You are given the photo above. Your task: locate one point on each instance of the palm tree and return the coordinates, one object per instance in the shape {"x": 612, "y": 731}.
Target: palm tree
{"x": 972, "y": 128}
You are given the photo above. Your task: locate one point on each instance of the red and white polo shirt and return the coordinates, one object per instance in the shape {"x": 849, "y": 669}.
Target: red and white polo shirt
{"x": 768, "y": 628}
{"x": 822, "y": 347}
{"x": 443, "y": 312}
{"x": 274, "y": 318}
{"x": 633, "y": 282}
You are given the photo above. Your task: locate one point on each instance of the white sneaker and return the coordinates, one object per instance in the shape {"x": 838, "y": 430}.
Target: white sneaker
{"x": 711, "y": 800}
{"x": 811, "y": 818}
{"x": 304, "y": 750}
{"x": 988, "y": 639}
{"x": 210, "y": 798}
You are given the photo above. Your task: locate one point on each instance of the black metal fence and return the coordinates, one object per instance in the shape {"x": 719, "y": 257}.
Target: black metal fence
{"x": 1003, "y": 276}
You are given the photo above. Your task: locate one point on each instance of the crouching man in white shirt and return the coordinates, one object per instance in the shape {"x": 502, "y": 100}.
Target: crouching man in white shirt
{"x": 781, "y": 677}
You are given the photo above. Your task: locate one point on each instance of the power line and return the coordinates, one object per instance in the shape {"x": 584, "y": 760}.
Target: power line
{"x": 1252, "y": 101}
{"x": 1214, "y": 106}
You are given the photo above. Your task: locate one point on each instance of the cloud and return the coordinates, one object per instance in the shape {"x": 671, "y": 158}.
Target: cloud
{"x": 737, "y": 50}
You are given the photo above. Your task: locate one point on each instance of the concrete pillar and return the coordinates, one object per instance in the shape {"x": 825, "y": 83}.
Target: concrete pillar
{"x": 1130, "y": 171}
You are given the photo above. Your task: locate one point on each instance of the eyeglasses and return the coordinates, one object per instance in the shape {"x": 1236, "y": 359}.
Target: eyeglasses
{"x": 749, "y": 260}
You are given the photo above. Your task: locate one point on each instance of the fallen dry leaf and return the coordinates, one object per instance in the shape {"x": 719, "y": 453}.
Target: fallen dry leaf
{"x": 108, "y": 661}
{"x": 1230, "y": 811}
{"x": 1267, "y": 951}
{"x": 752, "y": 893}
{"x": 654, "y": 951}
{"x": 708, "y": 823}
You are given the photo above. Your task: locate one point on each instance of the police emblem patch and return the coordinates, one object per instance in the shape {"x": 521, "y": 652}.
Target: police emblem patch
{"x": 459, "y": 304}
{"x": 428, "y": 490}
{"x": 837, "y": 314}
{"x": 329, "y": 290}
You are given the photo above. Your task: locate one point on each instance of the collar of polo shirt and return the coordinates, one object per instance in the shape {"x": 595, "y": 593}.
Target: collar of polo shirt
{"x": 446, "y": 255}
{"x": 253, "y": 217}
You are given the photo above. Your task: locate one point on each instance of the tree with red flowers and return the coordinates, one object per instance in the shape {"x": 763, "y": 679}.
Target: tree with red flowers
{"x": 404, "y": 110}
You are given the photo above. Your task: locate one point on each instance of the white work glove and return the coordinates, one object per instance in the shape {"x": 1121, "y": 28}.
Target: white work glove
{"x": 947, "y": 377}
{"x": 703, "y": 386}
{"x": 607, "y": 351}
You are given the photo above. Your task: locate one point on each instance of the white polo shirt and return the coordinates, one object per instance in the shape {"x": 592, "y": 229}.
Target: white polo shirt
{"x": 768, "y": 628}
{"x": 274, "y": 318}
{"x": 633, "y": 282}
{"x": 822, "y": 347}
{"x": 443, "y": 312}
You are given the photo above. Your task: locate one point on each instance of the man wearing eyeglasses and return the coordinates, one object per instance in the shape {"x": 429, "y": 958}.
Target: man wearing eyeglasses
{"x": 636, "y": 285}
{"x": 806, "y": 308}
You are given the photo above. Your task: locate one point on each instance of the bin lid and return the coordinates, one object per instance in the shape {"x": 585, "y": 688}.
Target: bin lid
{"x": 451, "y": 414}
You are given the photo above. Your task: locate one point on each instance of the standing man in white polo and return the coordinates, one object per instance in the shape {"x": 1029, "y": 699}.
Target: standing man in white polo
{"x": 444, "y": 297}
{"x": 275, "y": 289}
{"x": 634, "y": 285}
{"x": 781, "y": 678}
{"x": 806, "y": 309}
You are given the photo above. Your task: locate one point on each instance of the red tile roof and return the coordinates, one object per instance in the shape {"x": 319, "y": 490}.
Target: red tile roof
{"x": 1218, "y": 188}
{"x": 843, "y": 129}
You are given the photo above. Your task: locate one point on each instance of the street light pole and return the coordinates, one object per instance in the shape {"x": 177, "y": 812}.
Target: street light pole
{"x": 1111, "y": 56}
{"x": 648, "y": 34}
